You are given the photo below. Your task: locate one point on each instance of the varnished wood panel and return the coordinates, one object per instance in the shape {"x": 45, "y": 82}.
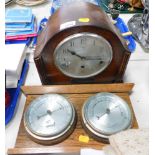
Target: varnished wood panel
{"x": 24, "y": 145}
{"x": 78, "y": 89}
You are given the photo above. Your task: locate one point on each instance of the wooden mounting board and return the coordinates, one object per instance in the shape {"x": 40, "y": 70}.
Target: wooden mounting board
{"x": 76, "y": 94}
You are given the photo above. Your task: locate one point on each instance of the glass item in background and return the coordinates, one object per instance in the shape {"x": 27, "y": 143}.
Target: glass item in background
{"x": 139, "y": 26}
{"x": 7, "y": 2}
{"x": 58, "y": 3}
{"x": 30, "y": 2}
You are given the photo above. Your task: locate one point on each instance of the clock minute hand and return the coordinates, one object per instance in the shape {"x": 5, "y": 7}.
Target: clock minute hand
{"x": 74, "y": 53}
{"x": 85, "y": 57}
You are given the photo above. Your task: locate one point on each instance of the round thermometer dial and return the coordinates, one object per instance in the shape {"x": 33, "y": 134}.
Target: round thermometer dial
{"x": 105, "y": 114}
{"x": 49, "y": 118}
{"x": 83, "y": 55}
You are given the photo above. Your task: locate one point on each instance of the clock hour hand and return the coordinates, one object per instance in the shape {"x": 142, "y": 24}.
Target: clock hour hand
{"x": 74, "y": 53}
{"x": 85, "y": 57}
{"x": 92, "y": 58}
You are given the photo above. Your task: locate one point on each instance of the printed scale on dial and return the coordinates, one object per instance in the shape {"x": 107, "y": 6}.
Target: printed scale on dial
{"x": 51, "y": 118}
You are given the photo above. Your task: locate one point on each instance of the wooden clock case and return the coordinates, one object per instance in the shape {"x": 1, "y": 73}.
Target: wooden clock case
{"x": 99, "y": 23}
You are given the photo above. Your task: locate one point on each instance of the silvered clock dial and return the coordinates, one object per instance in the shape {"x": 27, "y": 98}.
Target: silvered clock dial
{"x": 49, "y": 119}
{"x": 83, "y": 55}
{"x": 105, "y": 114}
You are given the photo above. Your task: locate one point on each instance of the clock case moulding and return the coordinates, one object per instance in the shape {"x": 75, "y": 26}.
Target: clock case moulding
{"x": 100, "y": 24}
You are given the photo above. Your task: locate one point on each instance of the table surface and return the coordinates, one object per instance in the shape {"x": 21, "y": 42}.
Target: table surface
{"x": 137, "y": 72}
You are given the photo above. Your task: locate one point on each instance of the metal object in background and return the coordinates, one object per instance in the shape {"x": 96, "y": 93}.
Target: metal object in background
{"x": 7, "y": 2}
{"x": 139, "y": 26}
{"x": 114, "y": 13}
{"x": 30, "y": 2}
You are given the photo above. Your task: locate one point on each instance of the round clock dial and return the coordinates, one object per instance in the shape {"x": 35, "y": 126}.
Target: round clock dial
{"x": 105, "y": 114}
{"x": 49, "y": 117}
{"x": 83, "y": 55}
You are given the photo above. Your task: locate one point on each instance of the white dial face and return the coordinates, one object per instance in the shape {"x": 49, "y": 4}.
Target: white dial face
{"x": 83, "y": 55}
{"x": 49, "y": 115}
{"x": 107, "y": 113}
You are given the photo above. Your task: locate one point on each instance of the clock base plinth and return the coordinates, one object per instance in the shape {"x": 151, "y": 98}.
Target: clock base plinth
{"x": 77, "y": 95}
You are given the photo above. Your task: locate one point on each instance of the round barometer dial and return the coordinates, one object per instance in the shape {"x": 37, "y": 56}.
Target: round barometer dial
{"x": 49, "y": 119}
{"x": 105, "y": 114}
{"x": 83, "y": 55}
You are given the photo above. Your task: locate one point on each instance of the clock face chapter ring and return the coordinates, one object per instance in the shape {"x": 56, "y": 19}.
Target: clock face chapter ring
{"x": 50, "y": 119}
{"x": 105, "y": 114}
{"x": 83, "y": 55}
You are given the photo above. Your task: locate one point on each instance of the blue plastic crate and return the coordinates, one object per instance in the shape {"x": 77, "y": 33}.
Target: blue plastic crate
{"x": 14, "y": 93}
{"x": 18, "y": 41}
{"x": 123, "y": 28}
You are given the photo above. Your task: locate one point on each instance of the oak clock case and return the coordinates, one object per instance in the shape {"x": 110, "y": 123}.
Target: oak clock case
{"x": 50, "y": 119}
{"x": 80, "y": 45}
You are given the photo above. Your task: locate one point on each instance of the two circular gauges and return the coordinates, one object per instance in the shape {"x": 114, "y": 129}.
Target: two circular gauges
{"x": 51, "y": 118}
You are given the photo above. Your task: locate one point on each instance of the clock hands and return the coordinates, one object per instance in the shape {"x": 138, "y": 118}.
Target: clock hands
{"x": 93, "y": 58}
{"x": 85, "y": 57}
{"x": 74, "y": 53}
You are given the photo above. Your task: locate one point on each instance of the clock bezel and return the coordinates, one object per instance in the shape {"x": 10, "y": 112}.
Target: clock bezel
{"x": 50, "y": 138}
{"x": 95, "y": 132}
{"x": 83, "y": 34}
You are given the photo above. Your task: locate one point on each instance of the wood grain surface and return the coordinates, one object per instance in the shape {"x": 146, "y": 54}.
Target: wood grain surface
{"x": 78, "y": 89}
{"x": 24, "y": 145}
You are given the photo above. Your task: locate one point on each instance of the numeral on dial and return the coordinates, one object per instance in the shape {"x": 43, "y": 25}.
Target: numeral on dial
{"x": 94, "y": 42}
{"x": 64, "y": 51}
{"x": 71, "y": 43}
{"x": 83, "y": 41}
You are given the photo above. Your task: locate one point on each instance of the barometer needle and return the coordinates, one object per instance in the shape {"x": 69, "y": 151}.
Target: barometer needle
{"x": 48, "y": 112}
{"x": 108, "y": 111}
